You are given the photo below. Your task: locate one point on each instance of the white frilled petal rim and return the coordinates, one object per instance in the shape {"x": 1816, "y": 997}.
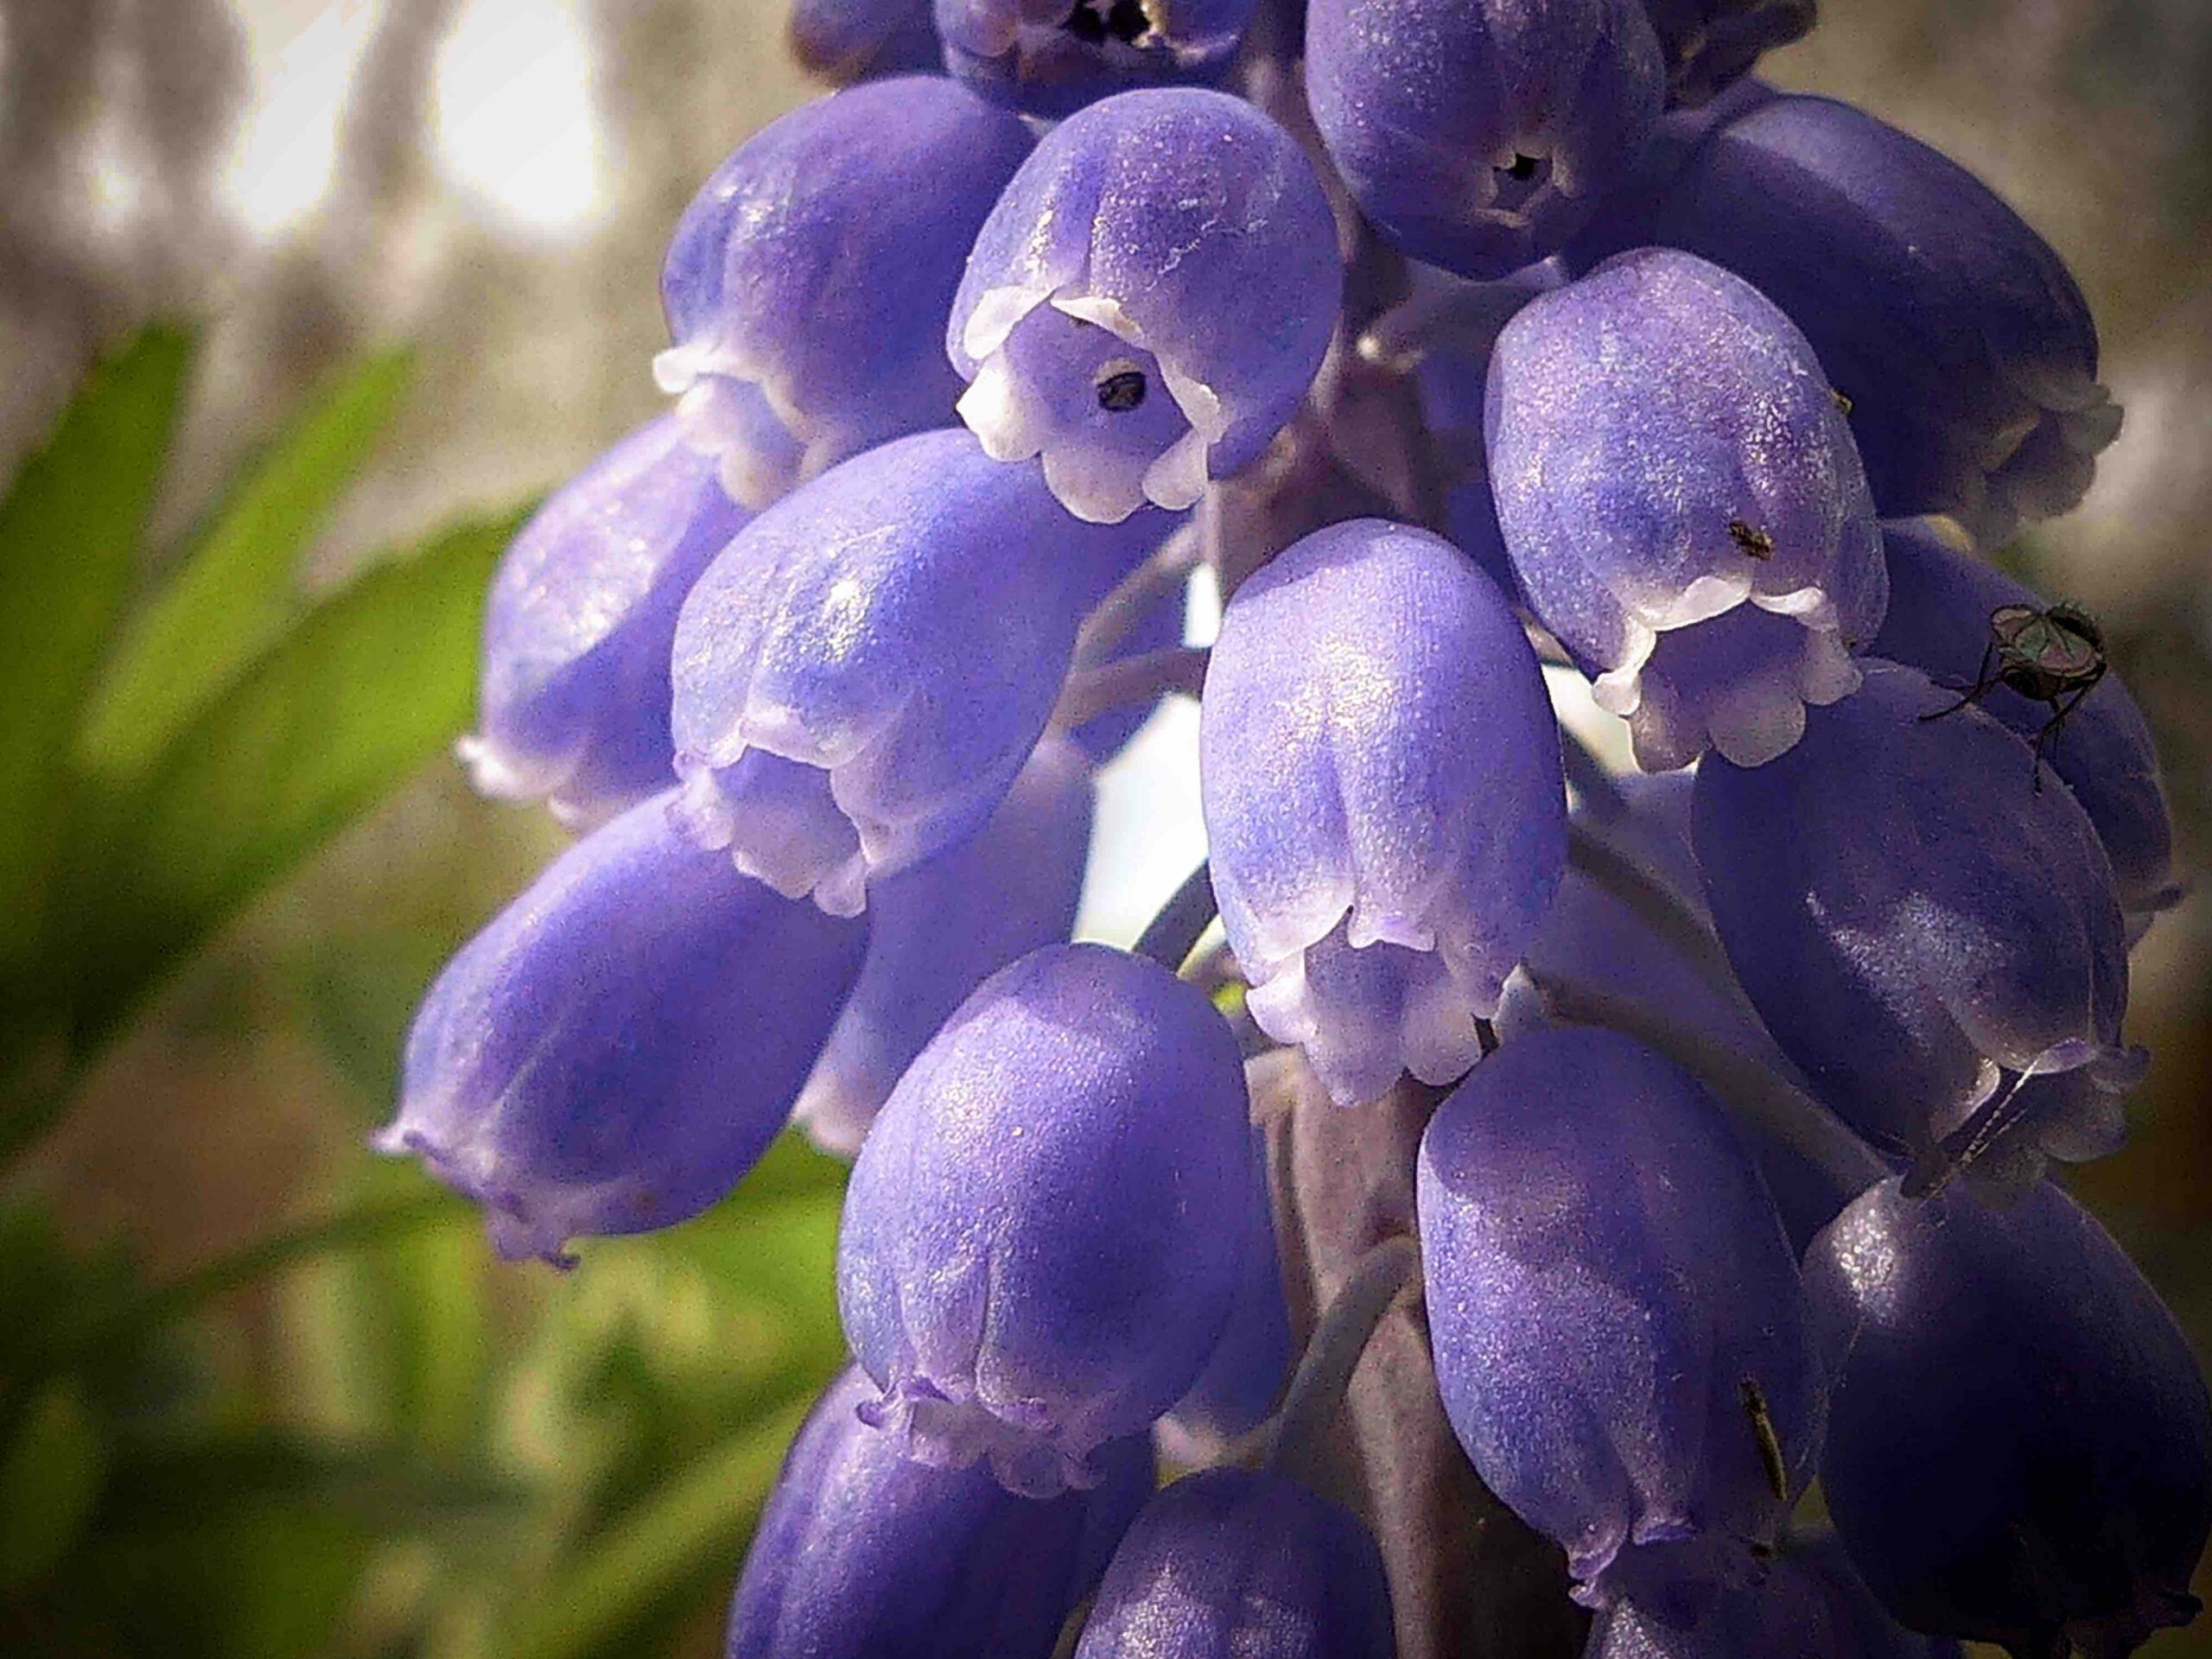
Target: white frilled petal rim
{"x": 733, "y": 409}
{"x": 1008, "y": 420}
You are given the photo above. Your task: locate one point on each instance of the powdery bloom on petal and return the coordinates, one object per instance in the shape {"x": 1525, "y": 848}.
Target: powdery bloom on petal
{"x": 617, "y": 1048}
{"x": 1032, "y": 1262}
{"x": 859, "y": 676}
{"x": 806, "y": 286}
{"x": 1106, "y": 319}
{"x": 1682, "y": 502}
{"x": 573, "y": 705}
{"x": 1935, "y": 940}
{"x": 1381, "y": 779}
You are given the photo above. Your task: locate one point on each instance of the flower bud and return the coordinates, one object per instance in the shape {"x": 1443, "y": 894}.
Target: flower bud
{"x": 1682, "y": 502}
{"x": 807, "y": 283}
{"x": 861, "y": 1554}
{"x": 1148, "y": 301}
{"x": 1933, "y": 938}
{"x": 623, "y": 1041}
{"x": 1942, "y": 602}
{"x": 1380, "y": 774}
{"x": 1479, "y": 135}
{"x": 1241, "y": 1564}
{"x": 2020, "y": 1442}
{"x": 1968, "y": 353}
{"x": 574, "y": 703}
{"x": 1619, "y": 1339}
{"x": 941, "y": 929}
{"x": 1051, "y": 61}
{"x": 1033, "y": 1260}
{"x": 863, "y": 672}
{"x": 846, "y": 40}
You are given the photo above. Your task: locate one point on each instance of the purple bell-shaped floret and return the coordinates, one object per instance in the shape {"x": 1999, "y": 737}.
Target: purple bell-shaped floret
{"x": 573, "y": 707}
{"x": 1968, "y": 353}
{"x": 863, "y": 1554}
{"x": 1149, "y": 299}
{"x": 1684, "y": 505}
{"x": 1619, "y": 1335}
{"x": 622, "y": 1042}
{"x": 1033, "y": 1260}
{"x": 1479, "y": 135}
{"x": 2020, "y": 1442}
{"x": 1241, "y": 1564}
{"x": 1943, "y": 606}
{"x": 807, "y": 283}
{"x": 941, "y": 929}
{"x": 863, "y": 672}
{"x": 846, "y": 40}
{"x": 1050, "y": 57}
{"x": 1387, "y": 821}
{"x": 1928, "y": 930}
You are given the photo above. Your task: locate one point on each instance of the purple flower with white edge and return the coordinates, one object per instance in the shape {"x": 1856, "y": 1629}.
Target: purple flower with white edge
{"x": 1620, "y": 1341}
{"x": 1052, "y": 57}
{"x": 620, "y": 1044}
{"x": 1380, "y": 772}
{"x": 1968, "y": 353}
{"x": 1149, "y": 299}
{"x": 2019, "y": 1444}
{"x": 938, "y": 931}
{"x": 1709, "y": 44}
{"x": 862, "y": 1554}
{"x": 1942, "y": 602}
{"x": 807, "y": 283}
{"x": 1241, "y": 1564}
{"x": 1033, "y": 1261}
{"x": 1933, "y": 939}
{"x": 1478, "y": 135}
{"x": 1684, "y": 506}
{"x": 860, "y": 674}
{"x": 573, "y": 705}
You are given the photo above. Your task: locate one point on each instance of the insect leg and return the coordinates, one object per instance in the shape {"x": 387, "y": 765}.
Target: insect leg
{"x": 1974, "y": 693}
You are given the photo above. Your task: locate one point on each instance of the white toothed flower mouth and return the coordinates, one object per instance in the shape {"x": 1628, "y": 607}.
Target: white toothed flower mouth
{"x": 1070, "y": 379}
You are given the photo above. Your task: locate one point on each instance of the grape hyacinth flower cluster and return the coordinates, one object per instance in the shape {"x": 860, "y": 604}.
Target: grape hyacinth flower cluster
{"x": 1693, "y": 1125}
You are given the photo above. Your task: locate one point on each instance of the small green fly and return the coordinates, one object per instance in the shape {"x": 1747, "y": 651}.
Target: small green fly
{"x": 2054, "y": 656}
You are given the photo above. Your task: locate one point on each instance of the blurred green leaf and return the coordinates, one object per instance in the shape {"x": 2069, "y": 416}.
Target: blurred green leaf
{"x": 236, "y": 582}
{"x": 50, "y": 1475}
{"x": 368, "y": 687}
{"x": 697, "y": 1522}
{"x": 70, "y": 530}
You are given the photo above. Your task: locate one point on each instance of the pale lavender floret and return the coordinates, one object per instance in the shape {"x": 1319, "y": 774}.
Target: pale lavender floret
{"x": 1479, "y": 135}
{"x": 1243, "y": 1564}
{"x": 1709, "y": 44}
{"x": 1052, "y": 57}
{"x": 1683, "y": 504}
{"x": 622, "y": 1042}
{"x": 1033, "y": 1261}
{"x": 1940, "y": 601}
{"x": 1250, "y": 1363}
{"x": 1935, "y": 941}
{"x": 939, "y": 930}
{"x": 862, "y": 1554}
{"x": 1968, "y": 353}
{"x": 1607, "y": 1284}
{"x": 807, "y": 283}
{"x": 1380, "y": 774}
{"x": 863, "y": 672}
{"x": 573, "y": 704}
{"x": 1173, "y": 240}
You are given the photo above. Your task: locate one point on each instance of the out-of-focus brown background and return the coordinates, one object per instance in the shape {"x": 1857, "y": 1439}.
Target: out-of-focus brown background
{"x": 494, "y": 180}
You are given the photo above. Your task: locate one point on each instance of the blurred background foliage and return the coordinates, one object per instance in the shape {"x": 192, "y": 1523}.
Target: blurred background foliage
{"x": 302, "y": 302}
